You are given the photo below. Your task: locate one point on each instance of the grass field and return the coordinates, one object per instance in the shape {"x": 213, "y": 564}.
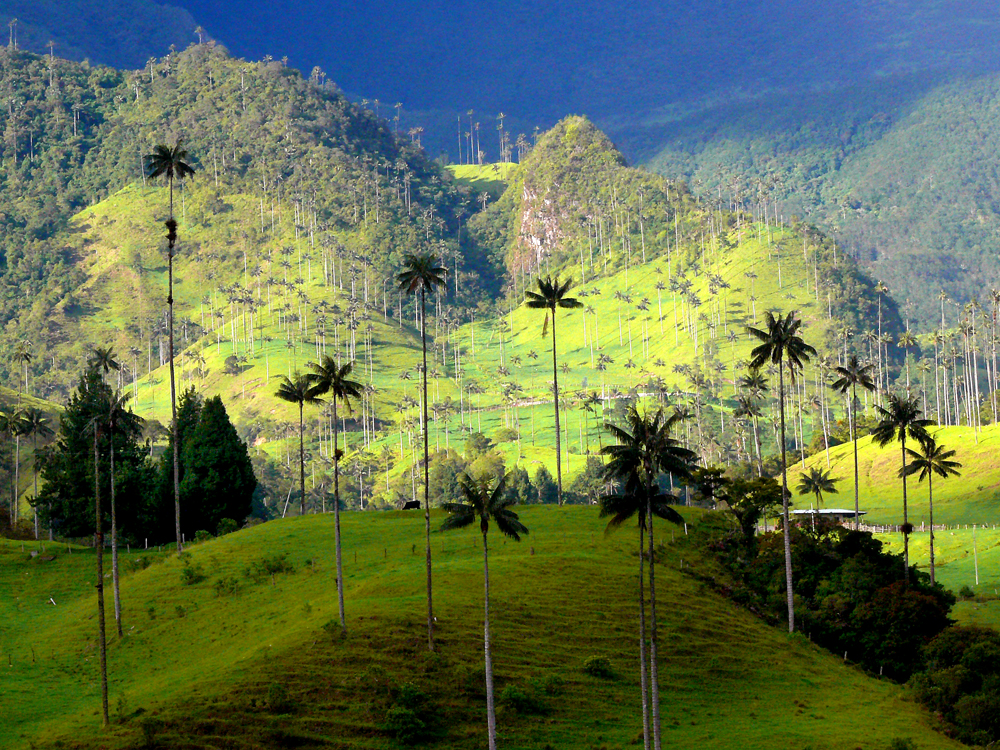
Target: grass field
{"x": 488, "y": 178}
{"x": 203, "y": 664}
{"x": 966, "y": 499}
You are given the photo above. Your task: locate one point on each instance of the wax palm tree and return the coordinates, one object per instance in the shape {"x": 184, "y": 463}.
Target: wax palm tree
{"x": 119, "y": 420}
{"x": 329, "y": 378}
{"x": 852, "y": 375}
{"x": 300, "y": 390}
{"x": 12, "y": 426}
{"x": 621, "y": 507}
{"x": 781, "y": 344}
{"x": 421, "y": 273}
{"x": 816, "y": 482}
{"x": 486, "y": 505}
{"x": 551, "y": 295}
{"x": 98, "y": 426}
{"x": 170, "y": 164}
{"x": 931, "y": 459}
{"x": 900, "y": 420}
{"x": 644, "y": 450}
{"x": 36, "y": 425}
{"x": 102, "y": 359}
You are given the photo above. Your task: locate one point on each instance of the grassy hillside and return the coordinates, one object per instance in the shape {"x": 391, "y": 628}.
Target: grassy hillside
{"x": 203, "y": 664}
{"x": 667, "y": 283}
{"x": 967, "y": 499}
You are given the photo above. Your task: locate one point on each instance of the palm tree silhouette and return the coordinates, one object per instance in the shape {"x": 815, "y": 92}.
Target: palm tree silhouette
{"x": 931, "y": 459}
{"x": 170, "y": 163}
{"x": 329, "y": 378}
{"x": 421, "y": 273}
{"x": 781, "y": 344}
{"x": 486, "y": 504}
{"x": 816, "y": 482}
{"x": 852, "y": 375}
{"x": 644, "y": 450}
{"x": 551, "y": 295}
{"x": 900, "y": 419}
{"x": 621, "y": 507}
{"x": 301, "y": 390}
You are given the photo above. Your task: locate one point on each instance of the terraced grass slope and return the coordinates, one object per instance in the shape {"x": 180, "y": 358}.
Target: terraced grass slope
{"x": 203, "y": 661}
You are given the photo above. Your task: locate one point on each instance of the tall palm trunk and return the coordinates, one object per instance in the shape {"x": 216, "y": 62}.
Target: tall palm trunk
{"x": 114, "y": 542}
{"x": 555, "y": 392}
{"x": 491, "y": 719}
{"x": 643, "y": 667}
{"x": 336, "y": 519}
{"x": 99, "y": 544}
{"x": 654, "y": 672}
{"x": 930, "y": 503}
{"x": 906, "y": 530}
{"x": 784, "y": 506}
{"x": 175, "y": 428}
{"x": 302, "y": 462}
{"x": 854, "y": 438}
{"x": 427, "y": 467}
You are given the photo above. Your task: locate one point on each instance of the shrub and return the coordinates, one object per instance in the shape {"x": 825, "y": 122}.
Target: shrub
{"x": 551, "y": 685}
{"x": 192, "y": 573}
{"x": 521, "y": 701}
{"x": 902, "y": 743}
{"x": 202, "y": 536}
{"x": 278, "y": 700}
{"x": 227, "y": 585}
{"x": 149, "y": 727}
{"x": 472, "y": 681}
{"x": 405, "y": 725}
{"x": 140, "y": 562}
{"x": 226, "y": 526}
{"x": 600, "y": 667}
{"x": 966, "y": 592}
{"x": 269, "y": 566}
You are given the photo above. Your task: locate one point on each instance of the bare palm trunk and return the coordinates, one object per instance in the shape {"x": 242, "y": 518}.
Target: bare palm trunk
{"x": 114, "y": 542}
{"x": 427, "y": 467}
{"x": 336, "y": 519}
{"x": 302, "y": 462}
{"x": 491, "y": 719}
{"x": 654, "y": 672}
{"x": 99, "y": 544}
{"x": 784, "y": 506}
{"x": 555, "y": 393}
{"x": 906, "y": 522}
{"x": 930, "y": 502}
{"x": 854, "y": 438}
{"x": 643, "y": 667}
{"x": 175, "y": 428}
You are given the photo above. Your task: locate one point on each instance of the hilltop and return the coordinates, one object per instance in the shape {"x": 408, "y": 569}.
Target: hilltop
{"x": 211, "y": 683}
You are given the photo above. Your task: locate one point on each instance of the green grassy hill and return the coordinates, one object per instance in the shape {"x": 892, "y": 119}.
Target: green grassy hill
{"x": 202, "y": 664}
{"x": 967, "y": 499}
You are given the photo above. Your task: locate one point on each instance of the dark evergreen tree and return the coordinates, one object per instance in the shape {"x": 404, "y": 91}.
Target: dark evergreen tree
{"x": 67, "y": 469}
{"x": 218, "y": 480}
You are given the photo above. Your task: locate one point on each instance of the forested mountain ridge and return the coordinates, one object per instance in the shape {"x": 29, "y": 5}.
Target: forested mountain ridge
{"x": 901, "y": 172}
{"x": 260, "y": 130}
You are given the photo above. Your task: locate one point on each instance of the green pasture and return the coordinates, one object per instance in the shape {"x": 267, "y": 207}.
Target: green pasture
{"x": 200, "y": 662}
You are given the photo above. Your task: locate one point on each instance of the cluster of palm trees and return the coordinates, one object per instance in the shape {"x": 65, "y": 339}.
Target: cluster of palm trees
{"x": 900, "y": 420}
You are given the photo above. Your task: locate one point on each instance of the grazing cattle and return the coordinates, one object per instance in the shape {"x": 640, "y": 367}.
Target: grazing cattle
{"x": 411, "y": 505}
